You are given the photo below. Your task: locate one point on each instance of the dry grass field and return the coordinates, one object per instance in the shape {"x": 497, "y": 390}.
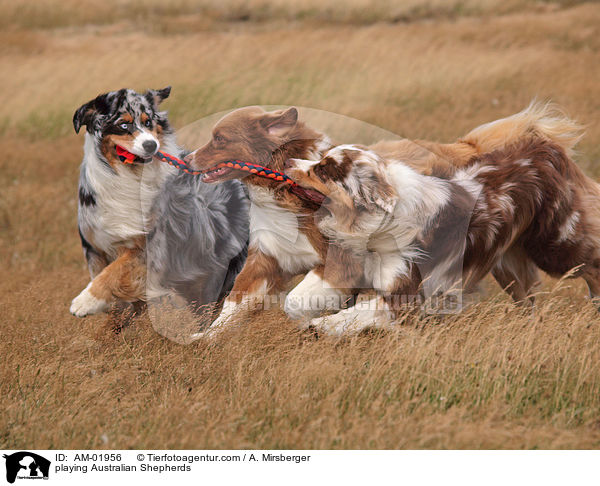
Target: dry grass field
{"x": 492, "y": 377}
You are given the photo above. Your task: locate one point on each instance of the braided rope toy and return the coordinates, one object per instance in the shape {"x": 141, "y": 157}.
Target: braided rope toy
{"x": 255, "y": 169}
{"x": 128, "y": 158}
{"x": 306, "y": 194}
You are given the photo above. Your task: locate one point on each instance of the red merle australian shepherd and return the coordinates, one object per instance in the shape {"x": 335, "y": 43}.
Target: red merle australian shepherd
{"x": 287, "y": 237}
{"x": 513, "y": 211}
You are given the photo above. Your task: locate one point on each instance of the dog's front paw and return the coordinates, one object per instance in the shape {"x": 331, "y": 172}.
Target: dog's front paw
{"x": 327, "y": 325}
{"x": 208, "y": 334}
{"x": 217, "y": 326}
{"x": 86, "y": 304}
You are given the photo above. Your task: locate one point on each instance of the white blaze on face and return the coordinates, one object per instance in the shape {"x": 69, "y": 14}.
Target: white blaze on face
{"x": 138, "y": 143}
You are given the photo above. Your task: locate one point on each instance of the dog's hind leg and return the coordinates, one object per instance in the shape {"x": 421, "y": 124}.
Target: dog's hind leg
{"x": 518, "y": 275}
{"x": 123, "y": 279}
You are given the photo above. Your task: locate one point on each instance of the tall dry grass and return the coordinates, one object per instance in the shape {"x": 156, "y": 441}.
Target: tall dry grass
{"x": 491, "y": 378}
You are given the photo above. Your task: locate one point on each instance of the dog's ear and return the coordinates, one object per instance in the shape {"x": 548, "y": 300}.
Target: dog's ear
{"x": 279, "y": 122}
{"x": 156, "y": 96}
{"x": 374, "y": 191}
{"x": 86, "y": 114}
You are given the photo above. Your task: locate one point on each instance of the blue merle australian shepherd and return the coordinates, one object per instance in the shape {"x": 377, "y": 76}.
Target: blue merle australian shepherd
{"x": 149, "y": 231}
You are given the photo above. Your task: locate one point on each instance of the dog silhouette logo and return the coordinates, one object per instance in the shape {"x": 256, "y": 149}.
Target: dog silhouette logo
{"x": 26, "y": 465}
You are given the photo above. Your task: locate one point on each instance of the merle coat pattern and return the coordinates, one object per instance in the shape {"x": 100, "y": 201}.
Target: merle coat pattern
{"x": 148, "y": 230}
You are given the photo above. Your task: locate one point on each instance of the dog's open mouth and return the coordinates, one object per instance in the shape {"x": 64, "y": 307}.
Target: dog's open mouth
{"x": 128, "y": 158}
{"x": 309, "y": 194}
{"x": 222, "y": 171}
{"x": 215, "y": 173}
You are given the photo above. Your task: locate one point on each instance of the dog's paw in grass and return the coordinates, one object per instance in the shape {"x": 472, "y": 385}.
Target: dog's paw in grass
{"x": 86, "y": 304}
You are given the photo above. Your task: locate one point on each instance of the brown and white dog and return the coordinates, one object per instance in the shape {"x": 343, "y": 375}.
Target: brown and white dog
{"x": 284, "y": 237}
{"x": 513, "y": 211}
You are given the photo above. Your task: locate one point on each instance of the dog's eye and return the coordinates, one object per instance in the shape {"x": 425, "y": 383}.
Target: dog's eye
{"x": 319, "y": 171}
{"x": 219, "y": 138}
{"x": 124, "y": 126}
{"x": 148, "y": 123}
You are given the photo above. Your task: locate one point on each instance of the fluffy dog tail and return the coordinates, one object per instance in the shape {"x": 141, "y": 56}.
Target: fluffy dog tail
{"x": 544, "y": 120}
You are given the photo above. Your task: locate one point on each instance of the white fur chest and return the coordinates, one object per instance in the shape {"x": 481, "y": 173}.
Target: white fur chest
{"x": 123, "y": 199}
{"x": 275, "y": 232}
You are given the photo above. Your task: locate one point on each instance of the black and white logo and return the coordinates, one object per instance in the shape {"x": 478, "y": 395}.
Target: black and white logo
{"x": 26, "y": 465}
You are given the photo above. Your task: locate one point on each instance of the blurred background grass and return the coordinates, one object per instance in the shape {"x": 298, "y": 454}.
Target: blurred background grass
{"x": 395, "y": 64}
{"x": 421, "y": 69}
{"x": 156, "y": 14}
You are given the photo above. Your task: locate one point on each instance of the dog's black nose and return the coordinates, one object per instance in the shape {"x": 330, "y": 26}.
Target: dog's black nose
{"x": 150, "y": 146}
